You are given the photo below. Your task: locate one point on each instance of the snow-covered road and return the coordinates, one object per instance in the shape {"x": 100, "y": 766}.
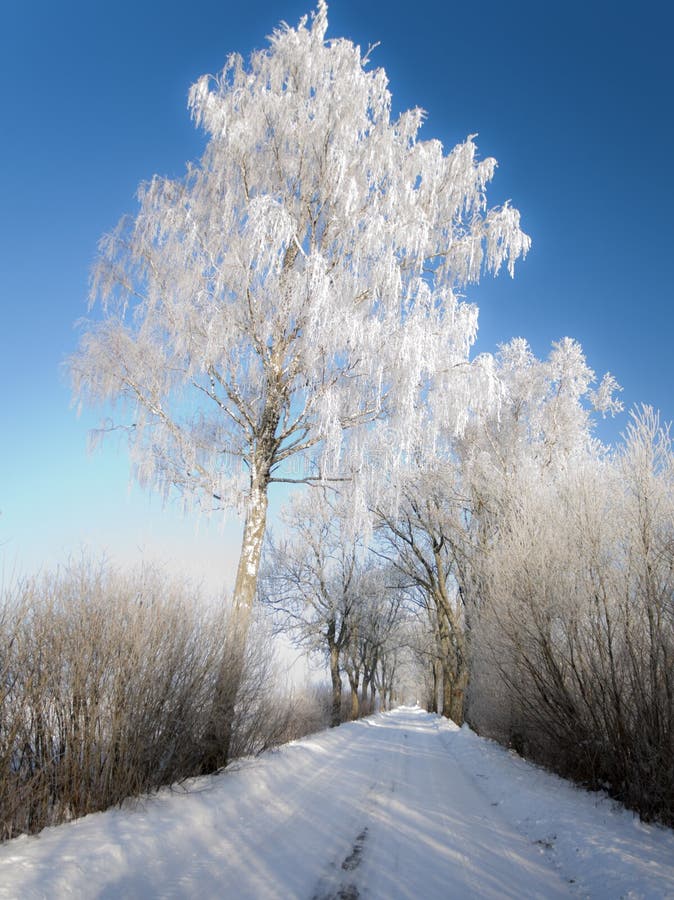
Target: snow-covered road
{"x": 401, "y": 805}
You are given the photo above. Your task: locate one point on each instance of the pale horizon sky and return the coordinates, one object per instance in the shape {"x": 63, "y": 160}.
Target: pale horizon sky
{"x": 573, "y": 100}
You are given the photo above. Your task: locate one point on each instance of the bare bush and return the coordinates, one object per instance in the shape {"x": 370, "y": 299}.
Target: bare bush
{"x": 302, "y": 711}
{"x": 107, "y": 686}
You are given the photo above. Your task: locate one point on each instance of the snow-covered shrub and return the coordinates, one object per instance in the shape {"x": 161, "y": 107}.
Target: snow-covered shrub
{"x": 106, "y": 691}
{"x": 578, "y": 622}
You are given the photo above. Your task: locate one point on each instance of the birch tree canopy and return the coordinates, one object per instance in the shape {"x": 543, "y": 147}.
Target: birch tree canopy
{"x": 297, "y": 286}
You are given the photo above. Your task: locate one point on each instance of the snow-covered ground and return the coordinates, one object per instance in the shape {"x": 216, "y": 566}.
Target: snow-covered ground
{"x": 400, "y": 805}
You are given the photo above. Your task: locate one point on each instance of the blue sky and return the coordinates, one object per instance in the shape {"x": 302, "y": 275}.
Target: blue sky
{"x": 574, "y": 100}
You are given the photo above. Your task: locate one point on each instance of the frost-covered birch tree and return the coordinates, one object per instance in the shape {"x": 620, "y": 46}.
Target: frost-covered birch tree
{"x": 297, "y": 285}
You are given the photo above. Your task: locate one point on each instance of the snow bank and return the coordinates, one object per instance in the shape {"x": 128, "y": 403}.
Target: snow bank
{"x": 594, "y": 842}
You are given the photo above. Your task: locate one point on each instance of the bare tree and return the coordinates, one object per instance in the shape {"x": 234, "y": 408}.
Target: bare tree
{"x": 310, "y": 578}
{"x": 420, "y": 638}
{"x": 373, "y": 633}
{"x": 422, "y": 538}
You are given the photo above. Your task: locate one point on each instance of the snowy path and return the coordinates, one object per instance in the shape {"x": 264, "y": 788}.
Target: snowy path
{"x": 421, "y": 827}
{"x": 402, "y": 805}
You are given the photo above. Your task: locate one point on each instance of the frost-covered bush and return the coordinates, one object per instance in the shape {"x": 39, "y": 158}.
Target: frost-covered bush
{"x": 106, "y": 691}
{"x": 577, "y": 622}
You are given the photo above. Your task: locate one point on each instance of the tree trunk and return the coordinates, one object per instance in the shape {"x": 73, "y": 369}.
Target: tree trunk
{"x": 365, "y": 694}
{"x": 251, "y": 552}
{"x": 382, "y": 685}
{"x": 354, "y": 678}
{"x": 336, "y": 676}
{"x": 218, "y": 736}
{"x": 391, "y": 685}
{"x": 456, "y": 707}
{"x": 435, "y": 673}
{"x": 447, "y": 659}
{"x": 452, "y": 654}
{"x": 447, "y": 681}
